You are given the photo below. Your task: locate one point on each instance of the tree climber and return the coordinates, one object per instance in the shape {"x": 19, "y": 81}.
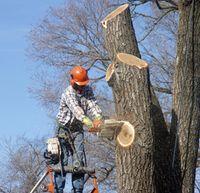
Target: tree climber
{"x": 78, "y": 107}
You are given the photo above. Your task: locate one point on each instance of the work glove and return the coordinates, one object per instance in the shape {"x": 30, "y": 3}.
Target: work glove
{"x": 87, "y": 122}
{"x": 97, "y": 122}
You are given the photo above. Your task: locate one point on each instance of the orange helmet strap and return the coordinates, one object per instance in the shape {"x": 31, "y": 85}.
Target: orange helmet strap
{"x": 72, "y": 82}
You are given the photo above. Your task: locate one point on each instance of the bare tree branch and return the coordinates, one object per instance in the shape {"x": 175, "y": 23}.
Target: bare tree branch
{"x": 173, "y": 4}
{"x": 154, "y": 25}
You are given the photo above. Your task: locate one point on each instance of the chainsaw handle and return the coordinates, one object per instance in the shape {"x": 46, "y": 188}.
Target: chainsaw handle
{"x": 94, "y": 130}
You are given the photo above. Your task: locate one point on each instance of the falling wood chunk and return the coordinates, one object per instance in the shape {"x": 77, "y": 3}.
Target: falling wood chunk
{"x": 132, "y": 60}
{"x": 122, "y": 130}
{"x": 114, "y": 14}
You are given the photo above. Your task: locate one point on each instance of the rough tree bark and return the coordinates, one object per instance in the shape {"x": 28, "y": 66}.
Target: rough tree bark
{"x": 136, "y": 102}
{"x": 186, "y": 97}
{"x": 150, "y": 162}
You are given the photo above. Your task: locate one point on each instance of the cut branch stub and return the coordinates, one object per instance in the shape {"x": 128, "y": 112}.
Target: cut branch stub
{"x": 125, "y": 59}
{"x": 113, "y": 14}
{"x": 132, "y": 60}
{"x": 126, "y": 135}
{"x": 110, "y": 74}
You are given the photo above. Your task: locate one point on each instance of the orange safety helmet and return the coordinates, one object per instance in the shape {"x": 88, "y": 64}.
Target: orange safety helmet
{"x": 79, "y": 76}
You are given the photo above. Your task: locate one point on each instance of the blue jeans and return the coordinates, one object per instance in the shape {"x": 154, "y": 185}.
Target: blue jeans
{"x": 77, "y": 179}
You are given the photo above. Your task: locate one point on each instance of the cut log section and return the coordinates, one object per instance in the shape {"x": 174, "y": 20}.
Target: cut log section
{"x": 132, "y": 60}
{"x": 123, "y": 131}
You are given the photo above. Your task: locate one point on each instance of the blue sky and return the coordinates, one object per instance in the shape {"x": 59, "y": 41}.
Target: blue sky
{"x": 19, "y": 112}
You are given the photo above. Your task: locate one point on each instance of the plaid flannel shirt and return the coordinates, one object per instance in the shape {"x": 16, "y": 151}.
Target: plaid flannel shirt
{"x": 74, "y": 106}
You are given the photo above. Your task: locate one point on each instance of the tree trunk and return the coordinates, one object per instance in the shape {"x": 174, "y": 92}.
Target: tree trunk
{"x": 186, "y": 98}
{"x": 135, "y": 102}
